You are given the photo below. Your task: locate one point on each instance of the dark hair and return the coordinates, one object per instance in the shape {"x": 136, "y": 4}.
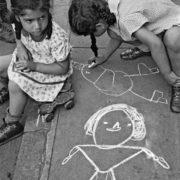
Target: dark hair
{"x": 85, "y": 14}
{"x": 18, "y": 7}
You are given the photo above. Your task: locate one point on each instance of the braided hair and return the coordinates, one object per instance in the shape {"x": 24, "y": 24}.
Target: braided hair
{"x": 18, "y": 7}
{"x": 85, "y": 14}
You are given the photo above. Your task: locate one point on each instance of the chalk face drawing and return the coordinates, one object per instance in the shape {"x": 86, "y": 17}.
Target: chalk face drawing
{"x": 117, "y": 83}
{"x": 114, "y": 129}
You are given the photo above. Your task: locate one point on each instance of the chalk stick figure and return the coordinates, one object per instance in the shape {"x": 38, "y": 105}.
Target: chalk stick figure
{"x": 113, "y": 129}
{"x": 118, "y": 83}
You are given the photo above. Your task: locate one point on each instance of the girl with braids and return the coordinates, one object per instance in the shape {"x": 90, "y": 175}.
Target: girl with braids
{"x": 42, "y": 76}
{"x": 154, "y": 23}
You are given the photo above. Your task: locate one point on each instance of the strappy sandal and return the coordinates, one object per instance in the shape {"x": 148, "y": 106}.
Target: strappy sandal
{"x": 65, "y": 99}
{"x": 133, "y": 53}
{"x": 46, "y": 110}
{"x": 4, "y": 95}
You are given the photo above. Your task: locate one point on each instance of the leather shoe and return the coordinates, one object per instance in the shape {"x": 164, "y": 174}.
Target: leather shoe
{"x": 10, "y": 131}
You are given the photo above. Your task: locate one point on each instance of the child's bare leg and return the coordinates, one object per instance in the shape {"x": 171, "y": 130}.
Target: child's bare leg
{"x": 11, "y": 127}
{"x": 161, "y": 58}
{"x": 18, "y": 99}
{"x": 172, "y": 43}
{"x": 4, "y": 63}
{"x": 158, "y": 52}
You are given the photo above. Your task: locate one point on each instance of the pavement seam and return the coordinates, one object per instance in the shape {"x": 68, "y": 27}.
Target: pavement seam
{"x": 49, "y": 137}
{"x": 49, "y": 149}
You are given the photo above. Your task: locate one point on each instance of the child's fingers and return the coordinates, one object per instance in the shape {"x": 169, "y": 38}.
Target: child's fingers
{"x": 20, "y": 64}
{"x": 20, "y": 68}
{"x": 92, "y": 62}
{"x": 26, "y": 70}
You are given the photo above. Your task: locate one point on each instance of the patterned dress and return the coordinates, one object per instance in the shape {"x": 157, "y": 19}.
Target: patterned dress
{"x": 39, "y": 86}
{"x": 155, "y": 15}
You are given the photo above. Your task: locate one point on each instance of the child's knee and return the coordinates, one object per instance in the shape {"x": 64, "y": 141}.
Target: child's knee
{"x": 3, "y": 69}
{"x": 172, "y": 39}
{"x": 13, "y": 87}
{"x": 4, "y": 63}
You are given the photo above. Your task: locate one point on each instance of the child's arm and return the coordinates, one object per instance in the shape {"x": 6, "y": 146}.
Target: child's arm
{"x": 113, "y": 44}
{"x": 157, "y": 49}
{"x": 22, "y": 52}
{"x": 60, "y": 51}
{"x": 56, "y": 68}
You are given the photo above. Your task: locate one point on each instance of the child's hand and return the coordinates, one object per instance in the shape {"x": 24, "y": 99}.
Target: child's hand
{"x": 95, "y": 61}
{"x": 25, "y": 66}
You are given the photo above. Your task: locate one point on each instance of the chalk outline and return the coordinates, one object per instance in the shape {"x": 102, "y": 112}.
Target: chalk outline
{"x": 138, "y": 134}
{"x": 154, "y": 70}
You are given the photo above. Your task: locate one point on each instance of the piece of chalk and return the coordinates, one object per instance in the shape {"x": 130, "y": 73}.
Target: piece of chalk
{"x": 92, "y": 63}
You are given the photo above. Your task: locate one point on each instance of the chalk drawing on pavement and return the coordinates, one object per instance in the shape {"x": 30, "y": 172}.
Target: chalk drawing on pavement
{"x": 117, "y": 83}
{"x": 114, "y": 130}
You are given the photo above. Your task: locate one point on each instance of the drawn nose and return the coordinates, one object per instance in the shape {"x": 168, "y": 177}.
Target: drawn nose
{"x": 116, "y": 127}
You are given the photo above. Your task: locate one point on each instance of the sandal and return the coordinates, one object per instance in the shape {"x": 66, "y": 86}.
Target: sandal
{"x": 4, "y": 95}
{"x": 61, "y": 99}
{"x": 133, "y": 53}
{"x": 46, "y": 110}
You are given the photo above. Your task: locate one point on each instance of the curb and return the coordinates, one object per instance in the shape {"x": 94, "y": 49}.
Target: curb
{"x": 34, "y": 158}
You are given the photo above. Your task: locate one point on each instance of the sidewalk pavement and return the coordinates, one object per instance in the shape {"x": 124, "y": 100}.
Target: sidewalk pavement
{"x": 44, "y": 146}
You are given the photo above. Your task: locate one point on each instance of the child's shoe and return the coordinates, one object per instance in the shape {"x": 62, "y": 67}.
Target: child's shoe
{"x": 65, "y": 97}
{"x": 6, "y": 33}
{"x": 47, "y": 109}
{"x": 175, "y": 98}
{"x": 133, "y": 53}
{"x": 10, "y": 129}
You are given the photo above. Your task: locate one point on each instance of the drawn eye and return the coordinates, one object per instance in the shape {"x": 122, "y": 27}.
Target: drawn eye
{"x": 105, "y": 122}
